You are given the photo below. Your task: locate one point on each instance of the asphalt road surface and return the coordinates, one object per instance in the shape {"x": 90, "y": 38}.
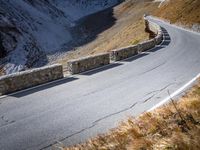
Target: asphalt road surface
{"x": 77, "y": 108}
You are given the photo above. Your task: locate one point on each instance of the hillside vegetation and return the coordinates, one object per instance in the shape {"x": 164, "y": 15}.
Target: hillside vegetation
{"x": 186, "y": 12}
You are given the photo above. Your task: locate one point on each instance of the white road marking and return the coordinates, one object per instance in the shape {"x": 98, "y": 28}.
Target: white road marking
{"x": 175, "y": 93}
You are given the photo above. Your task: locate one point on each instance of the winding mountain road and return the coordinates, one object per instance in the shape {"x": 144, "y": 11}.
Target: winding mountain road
{"x": 81, "y": 106}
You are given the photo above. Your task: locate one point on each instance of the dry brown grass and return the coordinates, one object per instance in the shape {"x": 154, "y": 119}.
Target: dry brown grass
{"x": 186, "y": 12}
{"x": 175, "y": 126}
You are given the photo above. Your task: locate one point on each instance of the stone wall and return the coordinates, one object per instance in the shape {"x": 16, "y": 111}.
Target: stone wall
{"x": 88, "y": 63}
{"x": 157, "y": 37}
{"x": 146, "y": 45}
{"x": 25, "y": 79}
{"x": 157, "y": 30}
{"x": 123, "y": 53}
{"x": 30, "y": 78}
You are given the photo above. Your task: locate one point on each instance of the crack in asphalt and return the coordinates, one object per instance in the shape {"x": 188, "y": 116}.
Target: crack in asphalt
{"x": 93, "y": 125}
{"x": 162, "y": 89}
{"x": 153, "y": 68}
{"x": 78, "y": 132}
{"x": 110, "y": 115}
{"x": 6, "y": 121}
{"x": 100, "y": 119}
{"x": 159, "y": 91}
{"x": 146, "y": 100}
{"x": 118, "y": 112}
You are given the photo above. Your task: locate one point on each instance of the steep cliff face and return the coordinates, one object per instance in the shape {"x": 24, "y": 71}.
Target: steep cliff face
{"x": 31, "y": 29}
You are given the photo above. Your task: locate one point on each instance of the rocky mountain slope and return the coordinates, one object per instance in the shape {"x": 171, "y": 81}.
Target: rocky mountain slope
{"x": 32, "y": 29}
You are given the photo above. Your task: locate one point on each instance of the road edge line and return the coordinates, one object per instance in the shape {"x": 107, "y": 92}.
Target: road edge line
{"x": 177, "y": 92}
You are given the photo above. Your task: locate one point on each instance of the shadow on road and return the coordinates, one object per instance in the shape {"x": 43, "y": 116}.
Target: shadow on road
{"x": 43, "y": 87}
{"x": 135, "y": 57}
{"x": 104, "y": 68}
{"x": 166, "y": 41}
{"x": 156, "y": 49}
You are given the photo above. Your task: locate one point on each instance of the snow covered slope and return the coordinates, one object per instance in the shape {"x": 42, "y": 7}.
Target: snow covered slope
{"x": 30, "y": 29}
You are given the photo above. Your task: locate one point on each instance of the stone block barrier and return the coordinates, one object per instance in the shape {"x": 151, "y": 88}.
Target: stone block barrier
{"x": 87, "y": 63}
{"x": 25, "y": 79}
{"x": 29, "y": 78}
{"x": 157, "y": 30}
{"x": 159, "y": 37}
{"x": 146, "y": 45}
{"x": 123, "y": 53}
{"x": 152, "y": 27}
